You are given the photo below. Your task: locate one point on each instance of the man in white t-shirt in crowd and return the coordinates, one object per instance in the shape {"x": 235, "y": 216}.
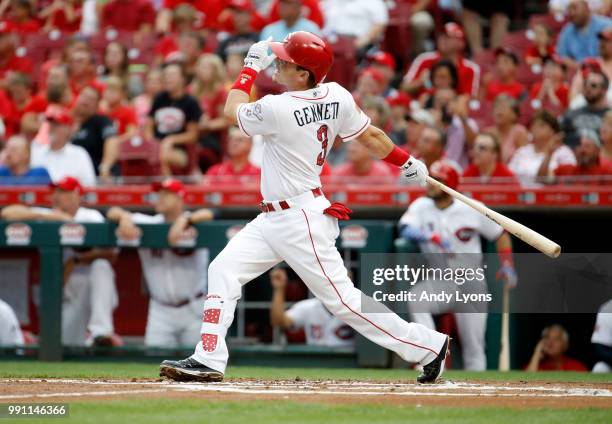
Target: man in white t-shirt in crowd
{"x": 10, "y": 331}
{"x": 177, "y": 277}
{"x": 602, "y": 339}
{"x": 320, "y": 326}
{"x": 90, "y": 294}
{"x": 60, "y": 157}
{"x": 545, "y": 152}
{"x": 365, "y": 20}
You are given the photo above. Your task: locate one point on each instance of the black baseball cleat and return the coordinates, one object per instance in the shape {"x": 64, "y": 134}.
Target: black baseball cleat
{"x": 188, "y": 370}
{"x": 433, "y": 370}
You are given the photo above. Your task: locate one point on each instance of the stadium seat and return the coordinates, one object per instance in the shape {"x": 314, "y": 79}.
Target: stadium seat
{"x": 139, "y": 157}
{"x": 397, "y": 39}
{"x": 517, "y": 41}
{"x": 481, "y": 112}
{"x": 486, "y": 61}
{"x": 528, "y": 75}
{"x": 345, "y": 61}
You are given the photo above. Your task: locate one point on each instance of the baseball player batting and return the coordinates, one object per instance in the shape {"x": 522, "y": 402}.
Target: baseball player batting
{"x": 298, "y": 224}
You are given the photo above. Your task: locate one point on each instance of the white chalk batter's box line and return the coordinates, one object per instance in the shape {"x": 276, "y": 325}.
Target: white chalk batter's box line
{"x": 297, "y": 388}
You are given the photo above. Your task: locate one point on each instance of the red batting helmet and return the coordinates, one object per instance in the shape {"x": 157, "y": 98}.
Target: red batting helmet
{"x": 444, "y": 172}
{"x": 307, "y": 50}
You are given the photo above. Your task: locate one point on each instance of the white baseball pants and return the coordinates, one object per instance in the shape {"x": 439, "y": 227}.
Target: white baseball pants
{"x": 90, "y": 296}
{"x": 169, "y": 327}
{"x": 304, "y": 237}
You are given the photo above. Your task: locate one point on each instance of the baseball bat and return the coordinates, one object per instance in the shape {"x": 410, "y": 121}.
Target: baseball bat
{"x": 504, "y": 352}
{"x": 537, "y": 240}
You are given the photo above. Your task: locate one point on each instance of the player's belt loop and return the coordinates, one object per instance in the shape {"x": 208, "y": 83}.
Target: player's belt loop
{"x": 317, "y": 192}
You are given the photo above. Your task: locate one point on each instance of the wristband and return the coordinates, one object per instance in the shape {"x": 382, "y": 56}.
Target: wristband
{"x": 397, "y": 157}
{"x": 505, "y": 257}
{"x": 245, "y": 80}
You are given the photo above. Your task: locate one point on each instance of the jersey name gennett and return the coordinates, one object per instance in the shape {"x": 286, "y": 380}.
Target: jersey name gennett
{"x": 316, "y": 113}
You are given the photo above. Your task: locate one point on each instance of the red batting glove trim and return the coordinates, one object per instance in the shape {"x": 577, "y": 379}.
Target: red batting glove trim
{"x": 397, "y": 157}
{"x": 245, "y": 80}
{"x": 505, "y": 257}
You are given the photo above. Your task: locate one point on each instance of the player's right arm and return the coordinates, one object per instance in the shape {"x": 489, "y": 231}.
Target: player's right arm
{"x": 126, "y": 229}
{"x": 278, "y": 315}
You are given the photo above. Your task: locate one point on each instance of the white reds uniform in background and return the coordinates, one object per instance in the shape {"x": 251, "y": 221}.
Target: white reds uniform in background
{"x": 10, "y": 331}
{"x": 298, "y": 130}
{"x": 176, "y": 279}
{"x": 320, "y": 326}
{"x": 90, "y": 294}
{"x": 462, "y": 227}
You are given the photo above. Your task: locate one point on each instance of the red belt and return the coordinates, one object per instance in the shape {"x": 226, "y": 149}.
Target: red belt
{"x": 269, "y": 207}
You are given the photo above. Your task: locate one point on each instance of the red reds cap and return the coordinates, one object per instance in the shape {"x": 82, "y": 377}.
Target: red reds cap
{"x": 68, "y": 184}
{"x": 444, "y": 172}
{"x": 244, "y": 5}
{"x": 307, "y": 50}
{"x": 605, "y": 34}
{"x": 173, "y": 185}
{"x": 454, "y": 30}
{"x": 6, "y": 27}
{"x": 399, "y": 98}
{"x": 507, "y": 52}
{"x": 383, "y": 59}
{"x": 59, "y": 115}
{"x": 374, "y": 74}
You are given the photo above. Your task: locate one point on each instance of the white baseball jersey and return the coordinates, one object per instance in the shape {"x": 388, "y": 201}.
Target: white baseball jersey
{"x": 299, "y": 129}
{"x": 320, "y": 326}
{"x": 602, "y": 333}
{"x": 173, "y": 275}
{"x": 10, "y": 332}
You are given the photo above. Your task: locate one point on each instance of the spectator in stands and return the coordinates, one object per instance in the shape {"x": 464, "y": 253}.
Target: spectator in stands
{"x": 97, "y": 134}
{"x": 115, "y": 105}
{"x": 418, "y": 120}
{"x": 385, "y": 64}
{"x": 602, "y": 63}
{"x": 16, "y": 169}
{"x": 545, "y": 152}
{"x": 578, "y": 39}
{"x": 444, "y": 76}
{"x": 589, "y": 116}
{"x": 63, "y": 15}
{"x": 552, "y": 89}
{"x": 605, "y": 134}
{"x": 176, "y": 278}
{"x": 208, "y": 87}
{"x": 366, "y": 21}
{"x": 241, "y": 38}
{"x": 370, "y": 83}
{"x": 244, "y": 11}
{"x": 290, "y": 12}
{"x": 549, "y": 353}
{"x": 143, "y": 102}
{"x": 310, "y": 10}
{"x": 10, "y": 331}
{"x": 360, "y": 163}
{"x": 189, "y": 48}
{"x": 23, "y": 17}
{"x": 504, "y": 80}
{"x": 376, "y": 108}
{"x": 90, "y": 294}
{"x": 183, "y": 20}
{"x": 237, "y": 166}
{"x": 498, "y": 13}
{"x": 450, "y": 46}
{"x": 128, "y": 15}
{"x": 558, "y": 8}
{"x": 19, "y": 89}
{"x": 541, "y": 47}
{"x": 587, "y": 161}
{"x": 511, "y": 134}
{"x": 399, "y": 107}
{"x": 81, "y": 70}
{"x": 486, "y": 162}
{"x": 320, "y": 326}
{"x": 208, "y": 14}
{"x": 9, "y": 60}
{"x": 173, "y": 120}
{"x": 430, "y": 147}
{"x": 115, "y": 62}
{"x": 601, "y": 339}
{"x": 60, "y": 157}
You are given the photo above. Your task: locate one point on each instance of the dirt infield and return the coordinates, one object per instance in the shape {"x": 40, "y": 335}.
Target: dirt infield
{"x": 449, "y": 393}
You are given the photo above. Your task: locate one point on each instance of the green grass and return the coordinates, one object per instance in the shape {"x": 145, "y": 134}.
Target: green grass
{"x": 123, "y": 370}
{"x": 266, "y": 412}
{"x": 202, "y": 410}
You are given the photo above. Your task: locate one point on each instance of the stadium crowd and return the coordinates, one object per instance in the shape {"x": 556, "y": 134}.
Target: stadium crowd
{"x": 136, "y": 87}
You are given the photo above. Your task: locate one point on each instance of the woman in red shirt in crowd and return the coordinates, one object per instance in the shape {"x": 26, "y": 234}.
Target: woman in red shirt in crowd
{"x": 63, "y": 15}
{"x": 486, "y": 164}
{"x": 504, "y": 81}
{"x": 21, "y": 17}
{"x": 552, "y": 89}
{"x": 115, "y": 62}
{"x": 208, "y": 87}
{"x": 541, "y": 47}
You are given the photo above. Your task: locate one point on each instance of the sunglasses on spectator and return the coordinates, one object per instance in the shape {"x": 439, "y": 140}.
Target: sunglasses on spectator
{"x": 594, "y": 85}
{"x": 483, "y": 148}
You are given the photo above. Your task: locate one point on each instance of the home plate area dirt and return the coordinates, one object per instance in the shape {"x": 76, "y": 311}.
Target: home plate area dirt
{"x": 448, "y": 393}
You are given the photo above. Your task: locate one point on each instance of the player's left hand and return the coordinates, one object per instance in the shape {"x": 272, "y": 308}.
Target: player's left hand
{"x": 415, "y": 171}
{"x": 507, "y": 274}
{"x": 258, "y": 57}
